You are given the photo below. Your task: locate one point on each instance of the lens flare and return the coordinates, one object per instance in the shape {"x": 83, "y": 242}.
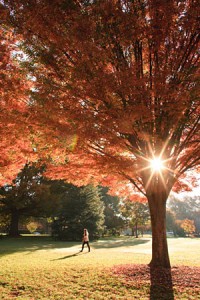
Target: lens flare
{"x": 156, "y": 164}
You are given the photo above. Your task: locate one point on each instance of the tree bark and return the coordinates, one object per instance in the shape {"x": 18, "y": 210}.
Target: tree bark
{"x": 14, "y": 231}
{"x": 136, "y": 229}
{"x": 160, "y": 255}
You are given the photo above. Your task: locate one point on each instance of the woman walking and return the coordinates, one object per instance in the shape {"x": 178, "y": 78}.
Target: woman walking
{"x": 85, "y": 240}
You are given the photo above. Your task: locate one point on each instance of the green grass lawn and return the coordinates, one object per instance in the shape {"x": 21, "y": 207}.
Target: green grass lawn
{"x": 40, "y": 268}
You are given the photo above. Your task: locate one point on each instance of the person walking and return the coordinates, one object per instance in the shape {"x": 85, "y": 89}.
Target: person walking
{"x": 85, "y": 240}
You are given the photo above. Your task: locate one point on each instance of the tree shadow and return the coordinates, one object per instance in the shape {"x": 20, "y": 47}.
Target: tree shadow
{"x": 158, "y": 281}
{"x": 70, "y": 256}
{"x": 31, "y": 244}
{"x": 116, "y": 243}
{"x": 161, "y": 284}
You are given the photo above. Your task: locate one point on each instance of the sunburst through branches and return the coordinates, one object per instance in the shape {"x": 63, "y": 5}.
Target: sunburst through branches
{"x": 156, "y": 164}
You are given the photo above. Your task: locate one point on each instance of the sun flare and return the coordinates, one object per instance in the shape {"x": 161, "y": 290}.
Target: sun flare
{"x": 156, "y": 164}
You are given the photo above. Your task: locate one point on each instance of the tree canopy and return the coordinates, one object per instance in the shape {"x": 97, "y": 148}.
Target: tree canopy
{"x": 15, "y": 143}
{"x": 120, "y": 75}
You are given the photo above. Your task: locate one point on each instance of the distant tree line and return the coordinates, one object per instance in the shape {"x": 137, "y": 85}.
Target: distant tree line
{"x": 32, "y": 198}
{"x": 183, "y": 216}
{"x": 32, "y": 203}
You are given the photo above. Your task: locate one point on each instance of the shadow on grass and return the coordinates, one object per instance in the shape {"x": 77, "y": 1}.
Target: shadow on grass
{"x": 31, "y": 244}
{"x": 161, "y": 284}
{"x": 34, "y": 243}
{"x": 119, "y": 242}
{"x": 70, "y": 256}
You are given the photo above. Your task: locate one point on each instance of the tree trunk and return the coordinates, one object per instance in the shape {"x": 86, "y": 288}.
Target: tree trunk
{"x": 160, "y": 255}
{"x": 14, "y": 231}
{"x": 133, "y": 231}
{"x": 136, "y": 229}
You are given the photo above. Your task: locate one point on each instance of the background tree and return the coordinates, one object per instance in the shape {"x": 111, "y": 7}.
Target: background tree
{"x": 174, "y": 224}
{"x": 4, "y": 222}
{"x": 186, "y": 208}
{"x": 81, "y": 208}
{"x": 32, "y": 226}
{"x": 136, "y": 214}
{"x": 120, "y": 97}
{"x": 29, "y": 195}
{"x": 196, "y": 219}
{"x": 188, "y": 226}
{"x": 114, "y": 222}
{"x": 43, "y": 224}
{"x": 170, "y": 221}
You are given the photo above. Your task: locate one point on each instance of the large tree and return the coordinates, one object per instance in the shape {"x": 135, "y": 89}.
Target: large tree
{"x": 119, "y": 81}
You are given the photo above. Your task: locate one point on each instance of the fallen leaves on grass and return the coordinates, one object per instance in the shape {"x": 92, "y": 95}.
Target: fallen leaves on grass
{"x": 178, "y": 280}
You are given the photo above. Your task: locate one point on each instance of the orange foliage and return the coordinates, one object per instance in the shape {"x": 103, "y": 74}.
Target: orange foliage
{"x": 15, "y": 146}
{"x": 188, "y": 226}
{"x": 107, "y": 99}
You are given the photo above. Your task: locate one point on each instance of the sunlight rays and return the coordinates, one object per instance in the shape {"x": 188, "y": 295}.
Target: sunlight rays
{"x": 156, "y": 164}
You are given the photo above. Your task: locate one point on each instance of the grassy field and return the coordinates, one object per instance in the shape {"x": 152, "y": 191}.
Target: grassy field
{"x": 34, "y": 268}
